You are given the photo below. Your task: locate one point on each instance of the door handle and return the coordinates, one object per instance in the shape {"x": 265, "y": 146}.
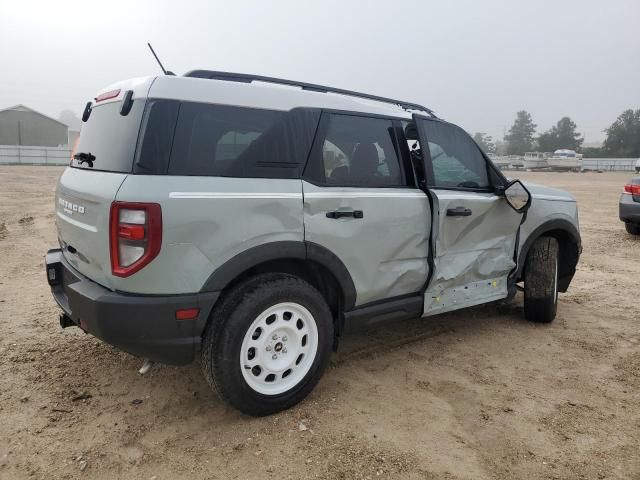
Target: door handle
{"x": 458, "y": 212}
{"x": 345, "y": 213}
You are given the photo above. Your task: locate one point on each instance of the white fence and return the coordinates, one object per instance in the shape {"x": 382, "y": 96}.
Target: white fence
{"x": 20, "y": 155}
{"x": 515, "y": 162}
{"x": 609, "y": 164}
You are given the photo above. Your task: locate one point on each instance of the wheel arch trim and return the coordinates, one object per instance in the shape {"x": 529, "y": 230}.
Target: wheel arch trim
{"x": 569, "y": 264}
{"x": 283, "y": 250}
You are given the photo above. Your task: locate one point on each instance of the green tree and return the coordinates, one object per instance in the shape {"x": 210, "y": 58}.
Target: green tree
{"x": 485, "y": 142}
{"x": 520, "y": 137}
{"x": 567, "y": 136}
{"x": 623, "y": 136}
{"x": 501, "y": 147}
{"x": 562, "y": 135}
{"x": 547, "y": 141}
{"x": 593, "y": 152}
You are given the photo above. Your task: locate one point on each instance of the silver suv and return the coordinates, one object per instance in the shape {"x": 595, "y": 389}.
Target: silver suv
{"x": 252, "y": 221}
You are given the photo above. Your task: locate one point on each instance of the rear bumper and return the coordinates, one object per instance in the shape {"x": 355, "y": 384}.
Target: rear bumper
{"x": 629, "y": 208}
{"x": 142, "y": 325}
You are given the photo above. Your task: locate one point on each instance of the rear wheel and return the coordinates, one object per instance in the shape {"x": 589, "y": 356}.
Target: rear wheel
{"x": 632, "y": 228}
{"x": 541, "y": 281}
{"x": 267, "y": 344}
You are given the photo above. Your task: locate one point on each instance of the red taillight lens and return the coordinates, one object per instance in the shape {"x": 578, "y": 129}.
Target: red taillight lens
{"x": 632, "y": 189}
{"x": 135, "y": 236}
{"x": 131, "y": 232}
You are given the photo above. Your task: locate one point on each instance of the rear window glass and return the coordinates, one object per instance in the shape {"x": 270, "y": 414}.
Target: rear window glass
{"x": 110, "y": 137}
{"x": 220, "y": 140}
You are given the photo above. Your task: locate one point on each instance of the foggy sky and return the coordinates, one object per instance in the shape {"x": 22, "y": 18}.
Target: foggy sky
{"x": 474, "y": 62}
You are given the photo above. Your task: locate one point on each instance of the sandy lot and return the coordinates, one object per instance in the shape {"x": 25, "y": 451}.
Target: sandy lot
{"x": 476, "y": 394}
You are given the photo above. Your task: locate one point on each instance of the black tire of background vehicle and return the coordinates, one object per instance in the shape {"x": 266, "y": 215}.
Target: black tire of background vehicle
{"x": 541, "y": 281}
{"x": 632, "y": 228}
{"x": 230, "y": 319}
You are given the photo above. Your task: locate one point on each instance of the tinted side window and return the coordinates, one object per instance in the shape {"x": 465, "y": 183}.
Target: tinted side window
{"x": 220, "y": 140}
{"x": 154, "y": 146}
{"x": 456, "y": 159}
{"x": 357, "y": 151}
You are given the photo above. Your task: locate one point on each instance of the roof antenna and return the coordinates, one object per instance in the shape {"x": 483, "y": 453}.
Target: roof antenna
{"x": 166, "y": 72}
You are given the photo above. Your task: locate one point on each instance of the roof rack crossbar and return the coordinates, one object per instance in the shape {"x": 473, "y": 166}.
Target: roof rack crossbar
{"x": 247, "y": 78}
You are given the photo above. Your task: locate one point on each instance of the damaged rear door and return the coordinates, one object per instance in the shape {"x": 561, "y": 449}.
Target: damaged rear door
{"x": 361, "y": 204}
{"x": 474, "y": 229}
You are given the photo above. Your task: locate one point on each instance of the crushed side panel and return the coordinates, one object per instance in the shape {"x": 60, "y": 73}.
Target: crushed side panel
{"x": 474, "y": 254}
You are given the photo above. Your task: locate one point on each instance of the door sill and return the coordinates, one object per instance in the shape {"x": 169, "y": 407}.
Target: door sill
{"x": 386, "y": 311}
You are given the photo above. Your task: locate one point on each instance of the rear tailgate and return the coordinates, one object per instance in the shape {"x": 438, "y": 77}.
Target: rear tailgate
{"x": 83, "y": 200}
{"x": 87, "y": 188}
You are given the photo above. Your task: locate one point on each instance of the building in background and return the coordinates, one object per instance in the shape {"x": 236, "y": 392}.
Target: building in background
{"x": 21, "y": 125}
{"x": 73, "y": 136}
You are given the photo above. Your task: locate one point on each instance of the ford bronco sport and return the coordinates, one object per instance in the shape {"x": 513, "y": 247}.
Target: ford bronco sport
{"x": 251, "y": 221}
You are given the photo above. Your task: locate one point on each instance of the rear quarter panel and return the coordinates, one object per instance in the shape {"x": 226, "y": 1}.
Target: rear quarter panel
{"x": 207, "y": 221}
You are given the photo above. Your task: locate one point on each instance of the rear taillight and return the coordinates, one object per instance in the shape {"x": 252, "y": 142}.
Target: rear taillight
{"x": 633, "y": 189}
{"x": 135, "y": 236}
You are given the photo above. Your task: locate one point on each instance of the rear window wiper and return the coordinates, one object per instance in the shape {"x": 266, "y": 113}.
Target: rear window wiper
{"x": 85, "y": 158}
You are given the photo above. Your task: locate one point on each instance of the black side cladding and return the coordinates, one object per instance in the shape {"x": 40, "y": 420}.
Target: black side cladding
{"x": 284, "y": 250}
{"x": 570, "y": 248}
{"x": 405, "y": 307}
{"x": 188, "y": 138}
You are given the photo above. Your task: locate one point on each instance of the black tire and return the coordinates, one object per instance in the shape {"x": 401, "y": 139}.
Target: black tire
{"x": 541, "y": 281}
{"x": 632, "y": 228}
{"x": 229, "y": 323}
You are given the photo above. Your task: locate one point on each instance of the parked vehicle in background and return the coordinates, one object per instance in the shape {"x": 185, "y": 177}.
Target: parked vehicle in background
{"x": 630, "y": 206}
{"x": 507, "y": 161}
{"x": 251, "y": 221}
{"x": 565, "y": 160}
{"x": 535, "y": 160}
{"x": 638, "y": 166}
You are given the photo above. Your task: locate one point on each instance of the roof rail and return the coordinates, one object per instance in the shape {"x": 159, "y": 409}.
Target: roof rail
{"x": 247, "y": 78}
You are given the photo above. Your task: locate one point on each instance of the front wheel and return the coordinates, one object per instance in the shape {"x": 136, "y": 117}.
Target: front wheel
{"x": 541, "y": 281}
{"x": 267, "y": 344}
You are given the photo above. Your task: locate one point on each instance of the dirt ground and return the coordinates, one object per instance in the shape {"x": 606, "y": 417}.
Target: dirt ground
{"x": 476, "y": 394}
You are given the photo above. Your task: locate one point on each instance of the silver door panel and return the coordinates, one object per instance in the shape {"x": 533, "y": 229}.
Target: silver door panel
{"x": 474, "y": 254}
{"x": 385, "y": 251}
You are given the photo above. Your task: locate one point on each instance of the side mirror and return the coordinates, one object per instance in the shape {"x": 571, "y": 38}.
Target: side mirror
{"x": 517, "y": 196}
